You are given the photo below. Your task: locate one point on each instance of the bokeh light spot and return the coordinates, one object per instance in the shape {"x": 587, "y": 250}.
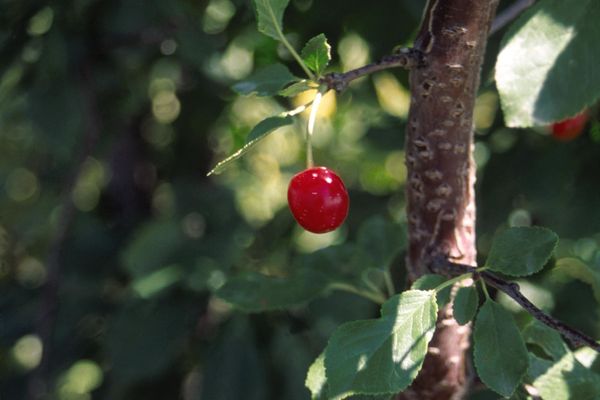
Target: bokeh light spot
{"x": 194, "y": 225}
{"x": 41, "y": 22}
{"x": 217, "y": 16}
{"x": 353, "y": 51}
{"x": 392, "y": 96}
{"x": 165, "y": 106}
{"x": 83, "y": 377}
{"x": 27, "y": 352}
{"x": 30, "y": 272}
{"x": 308, "y": 242}
{"x": 21, "y": 185}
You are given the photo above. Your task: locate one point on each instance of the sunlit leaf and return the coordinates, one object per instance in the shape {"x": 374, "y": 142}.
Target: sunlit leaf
{"x": 567, "y": 379}
{"x": 317, "y": 54}
{"x": 500, "y": 354}
{"x": 381, "y": 355}
{"x": 259, "y": 132}
{"x": 547, "y": 68}
{"x": 316, "y": 379}
{"x": 521, "y": 251}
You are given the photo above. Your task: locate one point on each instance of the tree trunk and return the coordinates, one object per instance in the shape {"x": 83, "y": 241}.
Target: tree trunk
{"x": 441, "y": 172}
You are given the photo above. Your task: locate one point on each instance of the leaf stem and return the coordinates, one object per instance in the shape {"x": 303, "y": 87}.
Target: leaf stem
{"x": 485, "y": 290}
{"x": 290, "y": 48}
{"x": 373, "y": 296}
{"x": 453, "y": 281}
{"x": 389, "y": 285}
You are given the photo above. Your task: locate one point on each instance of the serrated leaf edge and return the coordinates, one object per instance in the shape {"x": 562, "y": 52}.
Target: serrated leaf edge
{"x": 240, "y": 152}
{"x": 417, "y": 370}
{"x": 475, "y": 350}
{"x": 491, "y": 267}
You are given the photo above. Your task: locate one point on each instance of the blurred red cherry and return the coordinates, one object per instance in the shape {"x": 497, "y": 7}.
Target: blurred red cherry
{"x": 570, "y": 128}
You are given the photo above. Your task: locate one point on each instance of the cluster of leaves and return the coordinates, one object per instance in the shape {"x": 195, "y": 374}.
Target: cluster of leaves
{"x": 276, "y": 79}
{"x": 384, "y": 355}
{"x": 537, "y": 80}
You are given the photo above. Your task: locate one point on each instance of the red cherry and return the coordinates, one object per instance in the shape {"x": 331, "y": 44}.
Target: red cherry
{"x": 318, "y": 199}
{"x": 569, "y": 128}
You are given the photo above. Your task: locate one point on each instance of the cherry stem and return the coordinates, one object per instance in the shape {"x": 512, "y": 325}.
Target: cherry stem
{"x": 311, "y": 128}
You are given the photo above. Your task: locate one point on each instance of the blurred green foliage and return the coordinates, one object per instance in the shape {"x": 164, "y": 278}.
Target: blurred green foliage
{"x": 116, "y": 110}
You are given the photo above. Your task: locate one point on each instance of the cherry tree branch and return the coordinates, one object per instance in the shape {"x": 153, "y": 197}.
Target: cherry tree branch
{"x": 442, "y": 266}
{"x": 406, "y": 58}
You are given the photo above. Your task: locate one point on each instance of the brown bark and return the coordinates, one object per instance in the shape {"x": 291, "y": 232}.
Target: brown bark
{"x": 441, "y": 172}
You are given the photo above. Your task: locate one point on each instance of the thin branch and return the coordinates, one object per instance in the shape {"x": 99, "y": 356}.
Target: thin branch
{"x": 405, "y": 58}
{"x": 442, "y": 266}
{"x": 38, "y": 383}
{"x": 510, "y": 14}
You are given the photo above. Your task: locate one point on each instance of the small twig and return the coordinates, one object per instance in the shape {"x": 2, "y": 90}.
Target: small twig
{"x": 442, "y": 266}
{"x": 46, "y": 321}
{"x": 509, "y": 14}
{"x": 405, "y": 58}
{"x": 512, "y": 290}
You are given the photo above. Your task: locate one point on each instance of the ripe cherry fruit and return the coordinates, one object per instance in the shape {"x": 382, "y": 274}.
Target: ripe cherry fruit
{"x": 318, "y": 199}
{"x": 569, "y": 128}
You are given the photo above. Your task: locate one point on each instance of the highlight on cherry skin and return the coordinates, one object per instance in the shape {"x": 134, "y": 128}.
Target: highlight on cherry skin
{"x": 318, "y": 199}
{"x": 570, "y": 128}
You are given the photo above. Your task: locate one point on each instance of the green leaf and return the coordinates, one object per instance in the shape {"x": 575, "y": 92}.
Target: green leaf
{"x": 465, "y": 304}
{"x": 521, "y": 251}
{"x": 548, "y": 339}
{"x": 253, "y": 292}
{"x": 297, "y": 88}
{"x": 145, "y": 337}
{"x": 315, "y": 378}
{"x": 234, "y": 351}
{"x": 267, "y": 81}
{"x": 382, "y": 355}
{"x": 382, "y": 240}
{"x": 259, "y": 132}
{"x": 163, "y": 237}
{"x": 547, "y": 68}
{"x": 431, "y": 281}
{"x": 580, "y": 270}
{"x": 269, "y": 14}
{"x": 500, "y": 354}
{"x": 317, "y": 54}
{"x": 316, "y": 382}
{"x": 568, "y": 379}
